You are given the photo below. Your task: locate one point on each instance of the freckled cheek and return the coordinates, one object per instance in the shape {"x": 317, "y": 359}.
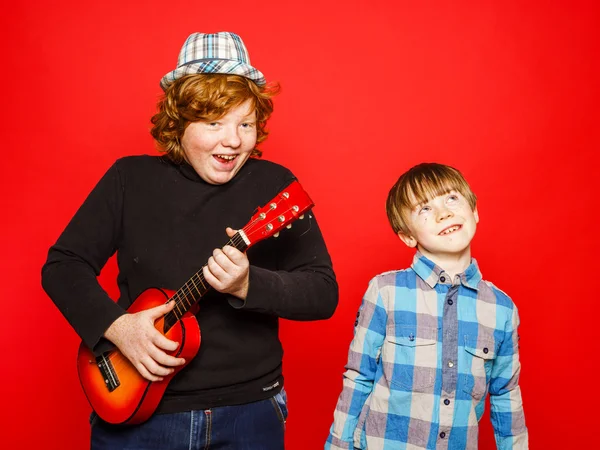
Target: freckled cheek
{"x": 197, "y": 153}
{"x": 250, "y": 141}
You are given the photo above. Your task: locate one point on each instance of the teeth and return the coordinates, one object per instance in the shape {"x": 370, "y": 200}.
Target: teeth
{"x": 450, "y": 230}
{"x": 227, "y": 157}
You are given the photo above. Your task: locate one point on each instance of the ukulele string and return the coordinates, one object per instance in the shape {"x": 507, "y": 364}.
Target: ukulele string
{"x": 186, "y": 290}
{"x": 118, "y": 360}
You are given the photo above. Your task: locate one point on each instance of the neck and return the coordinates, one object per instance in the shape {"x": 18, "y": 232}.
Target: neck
{"x": 451, "y": 263}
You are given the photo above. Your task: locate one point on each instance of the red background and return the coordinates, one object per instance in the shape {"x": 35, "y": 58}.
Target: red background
{"x": 505, "y": 91}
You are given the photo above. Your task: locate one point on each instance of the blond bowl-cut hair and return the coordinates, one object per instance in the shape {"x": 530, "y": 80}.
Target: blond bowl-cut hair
{"x": 207, "y": 97}
{"x": 420, "y": 184}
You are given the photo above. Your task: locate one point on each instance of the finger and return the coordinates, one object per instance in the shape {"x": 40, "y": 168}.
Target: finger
{"x": 164, "y": 343}
{"x": 223, "y": 260}
{"x": 233, "y": 262}
{"x": 156, "y": 369}
{"x": 161, "y": 310}
{"x": 235, "y": 256}
{"x": 145, "y": 374}
{"x": 166, "y": 360}
{"x": 217, "y": 265}
{"x": 230, "y": 231}
{"x": 211, "y": 279}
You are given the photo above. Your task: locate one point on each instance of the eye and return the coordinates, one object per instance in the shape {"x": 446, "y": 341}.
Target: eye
{"x": 452, "y": 198}
{"x": 247, "y": 125}
{"x": 424, "y": 209}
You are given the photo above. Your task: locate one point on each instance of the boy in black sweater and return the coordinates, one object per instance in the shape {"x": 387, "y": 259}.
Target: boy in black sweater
{"x": 165, "y": 217}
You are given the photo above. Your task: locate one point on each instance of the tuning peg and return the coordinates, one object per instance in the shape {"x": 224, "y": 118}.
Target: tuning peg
{"x": 301, "y": 217}
{"x": 276, "y": 234}
{"x": 289, "y": 226}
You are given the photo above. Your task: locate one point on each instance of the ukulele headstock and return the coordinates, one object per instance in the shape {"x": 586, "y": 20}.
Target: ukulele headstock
{"x": 287, "y": 206}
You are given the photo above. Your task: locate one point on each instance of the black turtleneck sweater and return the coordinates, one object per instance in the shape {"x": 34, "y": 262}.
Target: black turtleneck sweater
{"x": 164, "y": 221}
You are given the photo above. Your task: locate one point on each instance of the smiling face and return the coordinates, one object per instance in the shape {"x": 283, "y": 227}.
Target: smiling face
{"x": 442, "y": 227}
{"x": 218, "y": 149}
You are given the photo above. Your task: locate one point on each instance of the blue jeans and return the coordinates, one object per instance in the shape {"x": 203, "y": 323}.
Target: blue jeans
{"x": 253, "y": 426}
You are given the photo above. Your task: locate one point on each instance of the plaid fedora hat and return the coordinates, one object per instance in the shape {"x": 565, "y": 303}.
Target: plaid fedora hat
{"x": 222, "y": 52}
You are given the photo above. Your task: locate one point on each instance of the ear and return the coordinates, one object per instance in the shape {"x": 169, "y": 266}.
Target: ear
{"x": 476, "y": 215}
{"x": 408, "y": 240}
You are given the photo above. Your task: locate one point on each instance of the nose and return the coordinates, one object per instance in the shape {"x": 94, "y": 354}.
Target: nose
{"x": 443, "y": 214}
{"x": 232, "y": 138}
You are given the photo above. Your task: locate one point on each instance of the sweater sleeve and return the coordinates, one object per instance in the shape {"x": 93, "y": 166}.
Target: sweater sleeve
{"x": 304, "y": 286}
{"x": 69, "y": 275}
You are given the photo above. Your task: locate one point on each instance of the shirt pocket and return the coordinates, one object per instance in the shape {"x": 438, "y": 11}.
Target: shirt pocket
{"x": 410, "y": 359}
{"x": 480, "y": 352}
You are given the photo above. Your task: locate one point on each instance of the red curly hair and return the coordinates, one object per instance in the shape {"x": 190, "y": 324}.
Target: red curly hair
{"x": 207, "y": 97}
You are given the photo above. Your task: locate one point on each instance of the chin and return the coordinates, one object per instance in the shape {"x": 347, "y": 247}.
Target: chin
{"x": 458, "y": 250}
{"x": 218, "y": 182}
{"x": 222, "y": 179}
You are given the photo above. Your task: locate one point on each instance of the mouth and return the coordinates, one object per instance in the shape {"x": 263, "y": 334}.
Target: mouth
{"x": 449, "y": 230}
{"x": 225, "y": 159}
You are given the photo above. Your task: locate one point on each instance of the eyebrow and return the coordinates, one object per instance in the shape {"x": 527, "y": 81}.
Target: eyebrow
{"x": 419, "y": 205}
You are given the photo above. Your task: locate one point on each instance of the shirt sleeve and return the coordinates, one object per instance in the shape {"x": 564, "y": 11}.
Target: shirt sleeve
{"x": 304, "y": 287}
{"x": 361, "y": 369}
{"x": 506, "y": 404}
{"x": 69, "y": 275}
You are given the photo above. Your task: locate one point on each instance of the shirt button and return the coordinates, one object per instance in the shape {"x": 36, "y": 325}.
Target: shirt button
{"x": 485, "y": 350}
{"x": 443, "y": 279}
{"x": 450, "y": 364}
{"x": 450, "y": 301}
{"x": 446, "y": 402}
{"x": 442, "y": 435}
{"x": 411, "y": 337}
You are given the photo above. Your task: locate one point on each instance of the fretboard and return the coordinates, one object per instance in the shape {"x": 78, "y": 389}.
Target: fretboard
{"x": 194, "y": 288}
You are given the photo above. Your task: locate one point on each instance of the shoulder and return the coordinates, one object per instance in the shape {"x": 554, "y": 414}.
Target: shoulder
{"x": 139, "y": 169}
{"x": 141, "y": 162}
{"x": 126, "y": 168}
{"x": 266, "y": 165}
{"x": 497, "y": 295}
{"x": 500, "y": 296}
{"x": 383, "y": 286}
{"x": 395, "y": 278}
{"x": 268, "y": 170}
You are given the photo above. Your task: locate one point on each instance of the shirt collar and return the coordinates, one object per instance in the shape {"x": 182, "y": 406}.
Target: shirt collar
{"x": 430, "y": 272}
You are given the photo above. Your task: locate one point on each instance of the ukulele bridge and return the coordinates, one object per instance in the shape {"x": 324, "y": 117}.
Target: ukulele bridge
{"x": 108, "y": 372}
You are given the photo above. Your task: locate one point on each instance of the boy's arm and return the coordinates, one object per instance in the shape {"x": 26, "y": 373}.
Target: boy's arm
{"x": 505, "y": 394}
{"x": 361, "y": 368}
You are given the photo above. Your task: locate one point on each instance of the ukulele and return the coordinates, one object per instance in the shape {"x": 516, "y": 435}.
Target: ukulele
{"x": 113, "y": 386}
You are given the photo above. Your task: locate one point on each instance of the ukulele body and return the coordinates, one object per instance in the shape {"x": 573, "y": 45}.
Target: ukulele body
{"x": 113, "y": 386}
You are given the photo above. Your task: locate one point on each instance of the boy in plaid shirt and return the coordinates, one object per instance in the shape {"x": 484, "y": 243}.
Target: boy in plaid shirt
{"x": 431, "y": 341}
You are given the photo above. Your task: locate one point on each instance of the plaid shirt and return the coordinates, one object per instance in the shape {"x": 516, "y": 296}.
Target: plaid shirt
{"x": 426, "y": 351}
